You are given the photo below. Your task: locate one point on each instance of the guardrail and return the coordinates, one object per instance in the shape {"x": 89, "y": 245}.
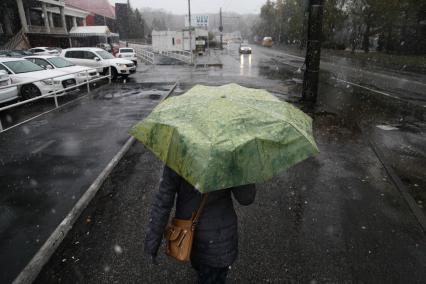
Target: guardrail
{"x": 181, "y": 55}
{"x": 55, "y": 93}
{"x": 143, "y": 53}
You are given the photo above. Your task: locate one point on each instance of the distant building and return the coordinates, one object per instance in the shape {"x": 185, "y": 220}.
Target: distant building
{"x": 230, "y": 37}
{"x": 176, "y": 40}
{"x": 50, "y": 22}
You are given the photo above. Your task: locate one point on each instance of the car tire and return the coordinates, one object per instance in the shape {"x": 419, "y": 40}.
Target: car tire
{"x": 29, "y": 91}
{"x": 114, "y": 73}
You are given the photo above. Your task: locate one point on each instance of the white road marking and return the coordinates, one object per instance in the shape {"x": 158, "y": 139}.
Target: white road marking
{"x": 42, "y": 147}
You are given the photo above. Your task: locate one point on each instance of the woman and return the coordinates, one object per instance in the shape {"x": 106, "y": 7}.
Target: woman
{"x": 215, "y": 245}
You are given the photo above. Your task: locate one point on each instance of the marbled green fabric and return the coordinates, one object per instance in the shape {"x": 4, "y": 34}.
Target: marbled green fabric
{"x": 220, "y": 137}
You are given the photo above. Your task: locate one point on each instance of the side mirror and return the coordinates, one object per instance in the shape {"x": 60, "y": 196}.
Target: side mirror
{"x": 97, "y": 58}
{"x": 48, "y": 67}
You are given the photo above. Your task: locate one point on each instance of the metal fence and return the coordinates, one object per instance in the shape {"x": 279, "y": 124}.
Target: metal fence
{"x": 181, "y": 55}
{"x": 143, "y": 53}
{"x": 55, "y": 93}
{"x": 47, "y": 30}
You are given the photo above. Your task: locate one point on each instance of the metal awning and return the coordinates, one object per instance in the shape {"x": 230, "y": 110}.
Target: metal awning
{"x": 87, "y": 31}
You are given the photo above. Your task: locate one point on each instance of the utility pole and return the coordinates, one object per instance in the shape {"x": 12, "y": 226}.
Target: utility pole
{"x": 313, "y": 51}
{"x": 221, "y": 29}
{"x": 190, "y": 26}
{"x": 128, "y": 12}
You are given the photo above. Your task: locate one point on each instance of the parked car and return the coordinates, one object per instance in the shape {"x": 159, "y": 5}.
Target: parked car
{"x": 100, "y": 59}
{"x": 267, "y": 41}
{"x": 104, "y": 46}
{"x": 21, "y": 71}
{"x": 7, "y": 94}
{"x": 127, "y": 53}
{"x": 45, "y": 50}
{"x": 244, "y": 49}
{"x": 61, "y": 64}
{"x": 15, "y": 53}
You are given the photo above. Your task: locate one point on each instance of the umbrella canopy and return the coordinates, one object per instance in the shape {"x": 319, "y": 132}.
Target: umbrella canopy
{"x": 221, "y": 137}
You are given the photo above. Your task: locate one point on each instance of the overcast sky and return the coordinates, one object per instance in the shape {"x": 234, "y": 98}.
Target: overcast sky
{"x": 200, "y": 6}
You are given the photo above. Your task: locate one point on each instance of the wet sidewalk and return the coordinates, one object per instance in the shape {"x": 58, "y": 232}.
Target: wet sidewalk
{"x": 335, "y": 218}
{"x": 49, "y": 162}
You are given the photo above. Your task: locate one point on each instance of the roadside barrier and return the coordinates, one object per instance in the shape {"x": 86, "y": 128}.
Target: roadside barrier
{"x": 143, "y": 53}
{"x": 55, "y": 93}
{"x": 181, "y": 55}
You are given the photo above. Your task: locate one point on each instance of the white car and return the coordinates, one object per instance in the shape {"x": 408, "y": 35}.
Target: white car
{"x": 244, "y": 49}
{"x": 45, "y": 51}
{"x": 7, "y": 94}
{"x": 62, "y": 65}
{"x": 127, "y": 53}
{"x": 22, "y": 71}
{"x": 100, "y": 59}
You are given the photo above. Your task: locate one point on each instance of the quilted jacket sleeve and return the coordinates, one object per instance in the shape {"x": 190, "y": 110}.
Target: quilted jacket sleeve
{"x": 160, "y": 210}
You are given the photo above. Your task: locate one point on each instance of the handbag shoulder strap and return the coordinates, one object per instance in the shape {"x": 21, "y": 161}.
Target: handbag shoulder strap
{"x": 200, "y": 209}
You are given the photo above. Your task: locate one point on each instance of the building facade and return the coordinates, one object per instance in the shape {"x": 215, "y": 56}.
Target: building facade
{"x": 49, "y": 22}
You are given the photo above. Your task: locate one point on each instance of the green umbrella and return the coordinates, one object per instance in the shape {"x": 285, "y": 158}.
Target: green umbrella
{"x": 220, "y": 137}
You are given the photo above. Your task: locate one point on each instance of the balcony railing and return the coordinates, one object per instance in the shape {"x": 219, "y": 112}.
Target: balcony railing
{"x": 54, "y": 2}
{"x": 44, "y": 30}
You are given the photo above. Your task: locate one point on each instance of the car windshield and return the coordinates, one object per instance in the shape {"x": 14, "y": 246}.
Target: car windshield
{"x": 21, "y": 52}
{"x": 51, "y": 49}
{"x": 126, "y": 50}
{"x": 14, "y": 53}
{"x": 59, "y": 62}
{"x": 22, "y": 66}
{"x": 105, "y": 54}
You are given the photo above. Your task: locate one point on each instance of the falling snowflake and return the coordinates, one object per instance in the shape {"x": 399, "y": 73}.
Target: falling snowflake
{"x": 118, "y": 249}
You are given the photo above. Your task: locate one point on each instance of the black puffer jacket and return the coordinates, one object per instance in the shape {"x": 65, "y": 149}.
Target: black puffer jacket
{"x": 216, "y": 236}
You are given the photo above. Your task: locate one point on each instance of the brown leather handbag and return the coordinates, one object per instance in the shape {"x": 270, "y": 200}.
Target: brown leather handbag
{"x": 180, "y": 234}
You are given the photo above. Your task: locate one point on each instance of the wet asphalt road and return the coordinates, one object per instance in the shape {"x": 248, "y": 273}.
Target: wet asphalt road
{"x": 401, "y": 84}
{"x": 48, "y": 163}
{"x": 336, "y": 218}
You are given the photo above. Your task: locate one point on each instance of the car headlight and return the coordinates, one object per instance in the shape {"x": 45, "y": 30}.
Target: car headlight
{"x": 48, "y": 82}
{"x": 121, "y": 65}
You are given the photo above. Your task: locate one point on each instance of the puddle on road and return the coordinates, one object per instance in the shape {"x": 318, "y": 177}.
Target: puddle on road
{"x": 386, "y": 127}
{"x": 143, "y": 91}
{"x": 155, "y": 96}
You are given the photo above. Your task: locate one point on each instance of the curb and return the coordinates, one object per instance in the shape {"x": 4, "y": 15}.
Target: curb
{"x": 412, "y": 205}
{"x": 33, "y": 268}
